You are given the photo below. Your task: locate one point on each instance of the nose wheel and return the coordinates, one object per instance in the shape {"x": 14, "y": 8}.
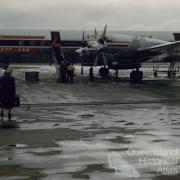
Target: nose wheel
{"x": 136, "y": 76}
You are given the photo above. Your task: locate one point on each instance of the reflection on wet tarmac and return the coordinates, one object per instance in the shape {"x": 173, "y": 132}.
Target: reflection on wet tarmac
{"x": 127, "y": 137}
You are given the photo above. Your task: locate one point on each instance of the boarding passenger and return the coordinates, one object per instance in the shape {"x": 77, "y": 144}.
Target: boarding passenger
{"x": 7, "y": 92}
{"x": 70, "y": 73}
{"x": 91, "y": 74}
{"x": 56, "y": 45}
{"x": 63, "y": 72}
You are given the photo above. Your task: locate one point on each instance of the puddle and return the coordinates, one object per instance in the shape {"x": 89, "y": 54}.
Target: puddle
{"x": 85, "y": 141}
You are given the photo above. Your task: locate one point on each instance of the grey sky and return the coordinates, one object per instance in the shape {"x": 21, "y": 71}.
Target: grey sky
{"x": 76, "y": 14}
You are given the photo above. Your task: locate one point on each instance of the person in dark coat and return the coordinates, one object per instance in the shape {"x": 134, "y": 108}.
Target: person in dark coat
{"x": 63, "y": 72}
{"x": 91, "y": 74}
{"x": 7, "y": 92}
{"x": 56, "y": 45}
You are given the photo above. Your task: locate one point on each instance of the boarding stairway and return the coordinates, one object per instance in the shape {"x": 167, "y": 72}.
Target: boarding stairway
{"x": 57, "y": 53}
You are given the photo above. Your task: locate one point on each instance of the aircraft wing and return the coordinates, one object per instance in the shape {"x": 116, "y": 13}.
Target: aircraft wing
{"x": 159, "y": 49}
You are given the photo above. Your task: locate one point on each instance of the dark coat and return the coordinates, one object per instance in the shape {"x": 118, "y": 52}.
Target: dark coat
{"x": 63, "y": 72}
{"x": 7, "y": 91}
{"x": 91, "y": 75}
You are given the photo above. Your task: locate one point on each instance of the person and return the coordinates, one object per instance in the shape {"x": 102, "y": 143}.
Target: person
{"x": 63, "y": 72}
{"x": 7, "y": 92}
{"x": 70, "y": 72}
{"x": 56, "y": 45}
{"x": 91, "y": 74}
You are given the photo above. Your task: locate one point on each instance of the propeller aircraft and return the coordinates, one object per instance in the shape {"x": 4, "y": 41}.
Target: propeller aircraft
{"x": 125, "y": 52}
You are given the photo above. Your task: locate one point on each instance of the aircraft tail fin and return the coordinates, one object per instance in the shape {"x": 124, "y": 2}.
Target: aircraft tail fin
{"x": 176, "y": 36}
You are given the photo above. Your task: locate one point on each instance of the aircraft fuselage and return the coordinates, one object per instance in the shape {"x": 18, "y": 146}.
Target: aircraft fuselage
{"x": 28, "y": 48}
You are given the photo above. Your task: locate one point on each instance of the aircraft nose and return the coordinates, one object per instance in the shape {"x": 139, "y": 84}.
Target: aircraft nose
{"x": 81, "y": 51}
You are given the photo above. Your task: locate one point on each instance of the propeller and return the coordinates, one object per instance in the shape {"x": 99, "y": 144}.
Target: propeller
{"x": 82, "y": 50}
{"x": 83, "y": 39}
{"x": 99, "y": 46}
{"x": 100, "y": 56}
{"x": 102, "y": 38}
{"x": 95, "y": 33}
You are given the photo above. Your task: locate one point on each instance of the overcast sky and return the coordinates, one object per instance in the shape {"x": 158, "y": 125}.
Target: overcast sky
{"x": 76, "y": 14}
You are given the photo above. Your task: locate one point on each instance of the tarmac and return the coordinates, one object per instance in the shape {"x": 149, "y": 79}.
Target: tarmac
{"x": 101, "y": 131}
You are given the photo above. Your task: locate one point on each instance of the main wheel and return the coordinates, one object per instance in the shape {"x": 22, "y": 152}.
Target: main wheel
{"x": 103, "y": 72}
{"x": 133, "y": 76}
{"x": 136, "y": 76}
{"x": 171, "y": 74}
{"x": 139, "y": 76}
{"x": 155, "y": 73}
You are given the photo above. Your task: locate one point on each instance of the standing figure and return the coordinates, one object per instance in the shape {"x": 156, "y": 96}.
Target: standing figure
{"x": 56, "y": 45}
{"x": 70, "y": 72}
{"x": 63, "y": 72}
{"x": 91, "y": 74}
{"x": 7, "y": 92}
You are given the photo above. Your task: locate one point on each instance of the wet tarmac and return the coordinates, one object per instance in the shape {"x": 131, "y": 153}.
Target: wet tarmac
{"x": 104, "y": 131}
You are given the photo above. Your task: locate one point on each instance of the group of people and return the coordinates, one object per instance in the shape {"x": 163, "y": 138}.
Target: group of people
{"x": 66, "y": 69}
{"x": 67, "y": 72}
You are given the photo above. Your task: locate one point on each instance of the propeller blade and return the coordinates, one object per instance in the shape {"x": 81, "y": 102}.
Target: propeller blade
{"x": 83, "y": 39}
{"x": 81, "y": 51}
{"x": 95, "y": 33}
{"x": 103, "y": 36}
{"x": 104, "y": 59}
{"x": 104, "y": 33}
{"x": 96, "y": 60}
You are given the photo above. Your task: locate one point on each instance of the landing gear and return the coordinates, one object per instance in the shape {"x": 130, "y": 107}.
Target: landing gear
{"x": 136, "y": 76}
{"x": 172, "y": 67}
{"x": 155, "y": 65}
{"x": 171, "y": 74}
{"x": 82, "y": 69}
{"x": 103, "y": 72}
{"x": 116, "y": 76}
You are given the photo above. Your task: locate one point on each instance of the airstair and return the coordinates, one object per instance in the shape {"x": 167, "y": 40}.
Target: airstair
{"x": 57, "y": 53}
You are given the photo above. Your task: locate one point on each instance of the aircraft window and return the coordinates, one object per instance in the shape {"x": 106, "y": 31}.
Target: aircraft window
{"x": 42, "y": 43}
{"x": 32, "y": 43}
{"x": 21, "y": 43}
{"x": 48, "y": 43}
